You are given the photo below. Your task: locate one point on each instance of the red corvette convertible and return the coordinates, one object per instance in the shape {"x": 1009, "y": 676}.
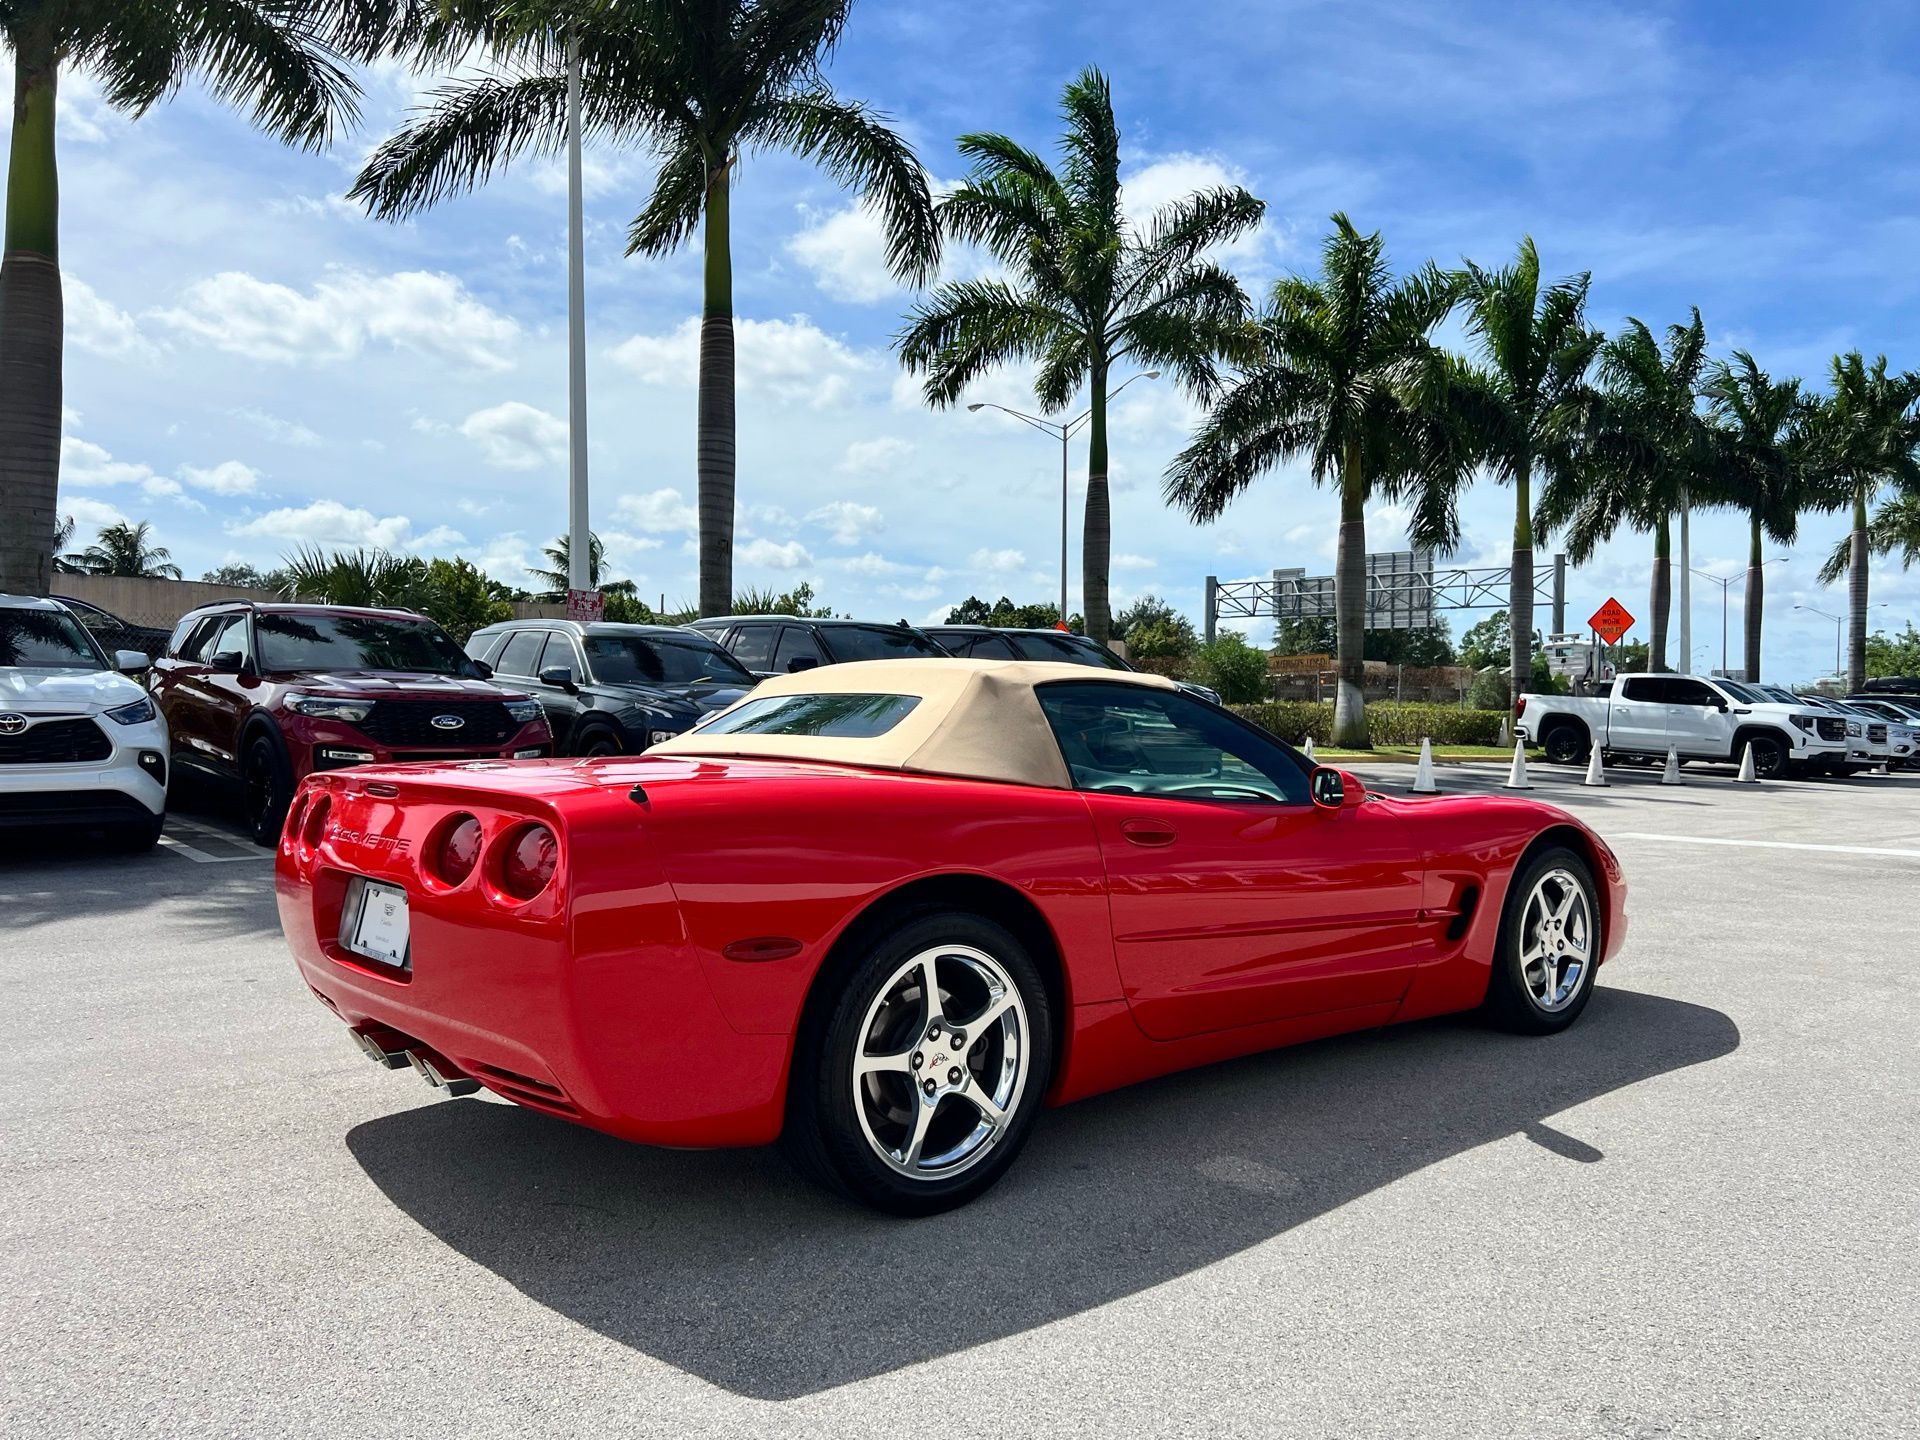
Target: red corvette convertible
{"x": 884, "y": 912}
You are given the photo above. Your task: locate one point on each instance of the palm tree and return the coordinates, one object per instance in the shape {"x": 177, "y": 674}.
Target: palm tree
{"x": 1089, "y": 289}
{"x": 699, "y": 82}
{"x": 65, "y": 562}
{"x": 1521, "y": 405}
{"x": 1862, "y": 436}
{"x": 1643, "y": 447}
{"x": 1893, "y": 530}
{"x": 277, "y": 57}
{"x": 354, "y": 577}
{"x": 122, "y": 549}
{"x": 1759, "y": 468}
{"x": 1347, "y": 377}
{"x": 559, "y": 555}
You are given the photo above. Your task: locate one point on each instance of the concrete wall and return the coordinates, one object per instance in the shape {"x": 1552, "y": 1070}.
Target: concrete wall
{"x": 149, "y": 602}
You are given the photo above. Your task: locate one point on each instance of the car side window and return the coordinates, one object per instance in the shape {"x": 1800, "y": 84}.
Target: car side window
{"x": 1647, "y": 690}
{"x": 483, "y": 647}
{"x": 232, "y": 640}
{"x": 521, "y": 654}
{"x": 562, "y": 651}
{"x": 1133, "y": 740}
{"x": 990, "y": 647}
{"x": 199, "y": 644}
{"x": 1690, "y": 692}
{"x": 753, "y": 646}
{"x": 795, "y": 644}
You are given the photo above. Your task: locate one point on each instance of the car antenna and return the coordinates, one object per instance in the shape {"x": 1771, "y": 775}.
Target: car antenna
{"x": 638, "y": 795}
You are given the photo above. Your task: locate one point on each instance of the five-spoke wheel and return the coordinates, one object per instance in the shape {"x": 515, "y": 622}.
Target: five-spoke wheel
{"x": 1549, "y": 946}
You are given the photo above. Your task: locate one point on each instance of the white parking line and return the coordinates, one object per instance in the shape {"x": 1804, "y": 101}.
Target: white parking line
{"x": 201, "y": 857}
{"x": 1767, "y": 844}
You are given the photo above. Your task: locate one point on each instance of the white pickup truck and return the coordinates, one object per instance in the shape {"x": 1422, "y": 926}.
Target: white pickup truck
{"x": 1702, "y": 719}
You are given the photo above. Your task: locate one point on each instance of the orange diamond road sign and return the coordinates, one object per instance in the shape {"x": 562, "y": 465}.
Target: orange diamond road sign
{"x": 1611, "y": 621}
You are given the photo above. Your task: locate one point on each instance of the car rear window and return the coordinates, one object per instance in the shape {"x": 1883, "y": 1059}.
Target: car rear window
{"x": 850, "y": 717}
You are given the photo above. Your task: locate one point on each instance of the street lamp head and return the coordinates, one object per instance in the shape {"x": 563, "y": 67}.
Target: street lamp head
{"x": 978, "y": 405}
{"x": 1153, "y": 375}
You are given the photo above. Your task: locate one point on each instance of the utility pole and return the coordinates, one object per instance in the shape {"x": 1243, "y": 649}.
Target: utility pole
{"x": 579, "y": 531}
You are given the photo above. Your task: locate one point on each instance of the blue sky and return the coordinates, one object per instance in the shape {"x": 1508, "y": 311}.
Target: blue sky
{"x": 252, "y": 364}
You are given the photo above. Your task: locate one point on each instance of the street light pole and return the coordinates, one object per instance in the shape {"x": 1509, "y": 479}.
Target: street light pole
{"x": 1726, "y": 583}
{"x": 1839, "y": 624}
{"x": 579, "y": 532}
{"x": 1064, "y": 430}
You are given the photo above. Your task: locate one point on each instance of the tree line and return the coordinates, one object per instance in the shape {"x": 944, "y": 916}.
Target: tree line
{"x": 1338, "y": 369}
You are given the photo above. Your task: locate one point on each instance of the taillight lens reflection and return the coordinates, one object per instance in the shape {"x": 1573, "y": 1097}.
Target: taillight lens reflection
{"x": 532, "y": 855}
{"x": 458, "y": 851}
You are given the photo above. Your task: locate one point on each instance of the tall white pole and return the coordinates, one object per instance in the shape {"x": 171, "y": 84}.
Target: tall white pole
{"x": 1063, "y": 525}
{"x": 579, "y": 533}
{"x": 1686, "y": 589}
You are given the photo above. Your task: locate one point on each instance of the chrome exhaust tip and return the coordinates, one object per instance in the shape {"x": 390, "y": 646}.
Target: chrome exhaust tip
{"x": 430, "y": 1073}
{"x": 378, "y": 1053}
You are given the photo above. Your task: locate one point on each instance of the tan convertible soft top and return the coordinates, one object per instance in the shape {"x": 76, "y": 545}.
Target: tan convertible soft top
{"x": 976, "y": 718}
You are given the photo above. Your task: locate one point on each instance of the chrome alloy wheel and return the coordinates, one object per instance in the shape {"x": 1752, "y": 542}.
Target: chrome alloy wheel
{"x": 942, "y": 1061}
{"x": 1556, "y": 939}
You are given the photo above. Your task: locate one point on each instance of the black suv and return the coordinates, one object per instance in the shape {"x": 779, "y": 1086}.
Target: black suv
{"x": 784, "y": 644}
{"x": 612, "y": 689}
{"x": 992, "y": 642}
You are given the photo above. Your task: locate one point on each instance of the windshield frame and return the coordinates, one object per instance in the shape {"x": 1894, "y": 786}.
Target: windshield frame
{"x": 65, "y": 620}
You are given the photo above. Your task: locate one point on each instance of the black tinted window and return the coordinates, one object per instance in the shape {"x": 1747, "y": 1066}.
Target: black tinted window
{"x": 1647, "y": 689}
{"x": 1130, "y": 740}
{"x": 661, "y": 660}
{"x": 753, "y": 646}
{"x": 482, "y": 647}
{"x": 521, "y": 654}
{"x": 49, "y": 639}
{"x": 795, "y": 644}
{"x": 987, "y": 647}
{"x": 1065, "y": 651}
{"x": 1690, "y": 692}
{"x": 878, "y": 642}
{"x": 356, "y": 642}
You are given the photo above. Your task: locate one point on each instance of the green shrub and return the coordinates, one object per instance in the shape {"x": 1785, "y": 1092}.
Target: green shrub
{"x": 1388, "y": 722}
{"x": 1232, "y": 667}
{"x": 1488, "y": 691}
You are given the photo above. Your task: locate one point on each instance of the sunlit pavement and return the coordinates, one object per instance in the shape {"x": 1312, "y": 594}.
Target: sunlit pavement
{"x": 1695, "y": 1214}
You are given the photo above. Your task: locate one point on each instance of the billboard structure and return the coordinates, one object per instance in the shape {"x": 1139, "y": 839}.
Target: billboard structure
{"x": 1404, "y": 591}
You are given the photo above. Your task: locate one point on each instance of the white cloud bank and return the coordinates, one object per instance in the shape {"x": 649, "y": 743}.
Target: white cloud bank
{"x": 517, "y": 436}
{"x": 793, "y": 361}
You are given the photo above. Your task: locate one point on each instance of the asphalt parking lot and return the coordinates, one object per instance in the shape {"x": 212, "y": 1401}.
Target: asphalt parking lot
{"x": 1697, "y": 1213}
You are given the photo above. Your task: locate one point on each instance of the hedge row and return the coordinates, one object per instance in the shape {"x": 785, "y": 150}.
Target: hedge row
{"x": 1388, "y": 722}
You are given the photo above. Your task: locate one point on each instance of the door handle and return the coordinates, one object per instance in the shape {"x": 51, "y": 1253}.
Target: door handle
{"x": 1147, "y": 832}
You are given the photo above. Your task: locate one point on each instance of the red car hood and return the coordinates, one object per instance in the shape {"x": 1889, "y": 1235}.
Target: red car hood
{"x": 389, "y": 685}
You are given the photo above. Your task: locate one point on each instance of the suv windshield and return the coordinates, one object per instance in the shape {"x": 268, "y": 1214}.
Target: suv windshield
{"x": 48, "y": 640}
{"x": 356, "y": 642}
{"x": 878, "y": 642}
{"x": 1743, "y": 692}
{"x": 661, "y": 660}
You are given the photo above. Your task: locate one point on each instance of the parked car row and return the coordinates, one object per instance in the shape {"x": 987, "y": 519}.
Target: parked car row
{"x": 1710, "y": 718}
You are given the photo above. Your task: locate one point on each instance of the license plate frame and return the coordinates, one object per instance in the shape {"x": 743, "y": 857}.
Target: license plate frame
{"x": 377, "y": 913}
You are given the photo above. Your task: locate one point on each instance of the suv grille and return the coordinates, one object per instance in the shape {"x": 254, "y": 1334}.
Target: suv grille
{"x": 1877, "y": 734}
{"x": 1832, "y": 727}
{"x": 408, "y": 724}
{"x": 56, "y": 742}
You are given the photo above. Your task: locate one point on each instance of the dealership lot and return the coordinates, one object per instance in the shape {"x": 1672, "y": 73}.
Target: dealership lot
{"x": 1694, "y": 1214}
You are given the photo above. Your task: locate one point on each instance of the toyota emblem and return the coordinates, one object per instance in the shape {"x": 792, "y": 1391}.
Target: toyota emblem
{"x": 448, "y": 722}
{"x": 12, "y": 724}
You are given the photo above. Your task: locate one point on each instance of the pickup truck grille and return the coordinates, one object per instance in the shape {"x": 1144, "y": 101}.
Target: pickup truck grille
{"x": 56, "y": 742}
{"x": 408, "y": 724}
{"x": 1832, "y": 727}
{"x": 1877, "y": 734}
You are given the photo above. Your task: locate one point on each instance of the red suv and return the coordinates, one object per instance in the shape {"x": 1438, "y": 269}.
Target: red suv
{"x": 267, "y": 694}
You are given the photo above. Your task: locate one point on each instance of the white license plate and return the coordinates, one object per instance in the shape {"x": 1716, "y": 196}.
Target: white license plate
{"x": 377, "y": 922}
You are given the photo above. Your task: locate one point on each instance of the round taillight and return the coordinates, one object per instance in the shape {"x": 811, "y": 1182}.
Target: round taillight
{"x": 532, "y": 854}
{"x": 294, "y": 816}
{"x": 458, "y": 851}
{"x": 316, "y": 822}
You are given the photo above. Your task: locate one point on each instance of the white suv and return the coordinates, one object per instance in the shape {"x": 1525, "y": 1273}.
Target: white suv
{"x": 80, "y": 744}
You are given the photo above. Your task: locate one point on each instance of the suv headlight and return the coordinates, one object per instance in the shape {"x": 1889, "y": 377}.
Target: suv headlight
{"x": 134, "y": 712}
{"x": 524, "y": 710}
{"x": 1853, "y": 729}
{"x": 323, "y": 707}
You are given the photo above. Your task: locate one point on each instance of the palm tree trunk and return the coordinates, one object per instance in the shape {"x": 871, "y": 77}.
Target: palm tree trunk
{"x": 1756, "y": 595}
{"x": 1096, "y": 533}
{"x": 1520, "y": 585}
{"x": 715, "y": 455}
{"x": 1661, "y": 599}
{"x": 1350, "y": 606}
{"x": 32, "y": 325}
{"x": 1857, "y": 595}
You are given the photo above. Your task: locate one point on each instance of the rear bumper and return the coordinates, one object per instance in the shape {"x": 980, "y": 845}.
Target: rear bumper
{"x": 598, "y": 1013}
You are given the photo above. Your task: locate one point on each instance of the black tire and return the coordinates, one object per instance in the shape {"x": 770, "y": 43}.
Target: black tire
{"x": 824, "y": 1134}
{"x": 1565, "y": 744}
{"x": 598, "y": 740}
{"x": 1512, "y": 1002}
{"x": 1770, "y": 756}
{"x": 266, "y": 789}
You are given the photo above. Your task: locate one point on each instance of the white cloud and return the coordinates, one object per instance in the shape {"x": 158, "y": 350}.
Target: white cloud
{"x": 416, "y": 311}
{"x": 1134, "y": 562}
{"x": 998, "y": 562}
{"x": 871, "y": 564}
{"x": 879, "y": 456}
{"x": 1169, "y": 178}
{"x": 850, "y": 521}
{"x": 229, "y": 477}
{"x": 660, "y": 511}
{"x": 793, "y": 361}
{"x": 96, "y": 324}
{"x": 84, "y": 463}
{"x": 284, "y": 432}
{"x": 846, "y": 252}
{"x": 88, "y": 515}
{"x": 328, "y": 522}
{"x": 773, "y": 555}
{"x": 441, "y": 537}
{"x": 517, "y": 436}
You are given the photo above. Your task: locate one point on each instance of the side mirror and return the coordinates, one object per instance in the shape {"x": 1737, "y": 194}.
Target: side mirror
{"x": 1328, "y": 787}
{"x": 560, "y": 677}
{"x": 480, "y": 669}
{"x": 802, "y": 662}
{"x": 130, "y": 662}
{"x": 227, "y": 662}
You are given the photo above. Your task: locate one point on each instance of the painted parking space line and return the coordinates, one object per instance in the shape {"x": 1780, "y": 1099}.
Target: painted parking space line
{"x": 1767, "y": 844}
{"x": 201, "y": 857}
{"x": 212, "y": 838}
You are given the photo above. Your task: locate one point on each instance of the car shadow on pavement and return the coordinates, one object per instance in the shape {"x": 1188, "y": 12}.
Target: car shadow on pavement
{"x": 727, "y": 1265}
{"x": 60, "y": 876}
